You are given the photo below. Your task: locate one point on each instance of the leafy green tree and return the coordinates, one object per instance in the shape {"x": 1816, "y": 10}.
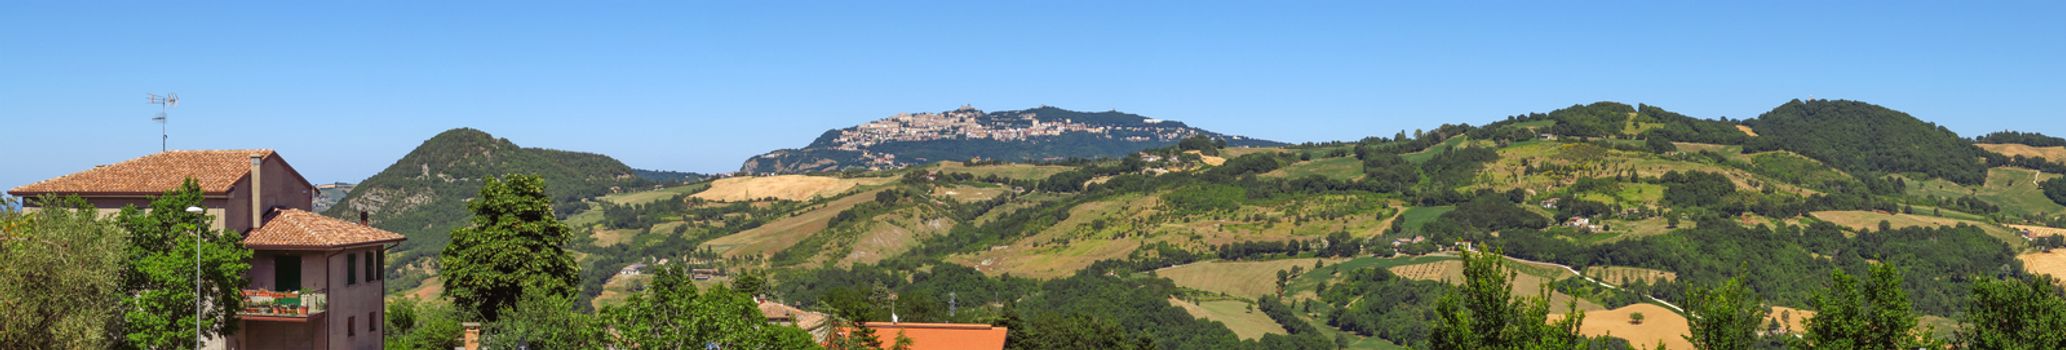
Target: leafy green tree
{"x": 544, "y": 322}
{"x": 419, "y": 325}
{"x": 514, "y": 247}
{"x": 1483, "y": 313}
{"x": 158, "y": 287}
{"x": 1659, "y": 145}
{"x": 1872, "y": 314}
{"x": 672, "y": 314}
{"x": 751, "y": 283}
{"x": 2055, "y": 189}
{"x": 2015, "y": 313}
{"x": 60, "y": 285}
{"x": 1724, "y": 317}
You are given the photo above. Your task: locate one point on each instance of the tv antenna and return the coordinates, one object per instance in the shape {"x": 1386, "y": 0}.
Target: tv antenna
{"x": 165, "y": 103}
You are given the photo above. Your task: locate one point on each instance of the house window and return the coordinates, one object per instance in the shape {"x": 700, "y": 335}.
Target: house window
{"x": 351, "y": 271}
{"x": 351, "y": 326}
{"x": 372, "y": 273}
{"x": 287, "y": 272}
{"x": 372, "y": 322}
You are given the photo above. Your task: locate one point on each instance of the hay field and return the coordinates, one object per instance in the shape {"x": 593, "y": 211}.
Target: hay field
{"x": 785, "y": 187}
{"x": 1790, "y": 320}
{"x": 2051, "y": 263}
{"x": 966, "y": 193}
{"x": 1622, "y": 275}
{"x": 1234, "y": 314}
{"x": 785, "y": 232}
{"x": 643, "y": 197}
{"x": 1243, "y": 279}
{"x": 1659, "y": 325}
{"x": 1746, "y": 130}
{"x": 2040, "y": 231}
{"x": 1061, "y": 249}
{"x": 2054, "y": 154}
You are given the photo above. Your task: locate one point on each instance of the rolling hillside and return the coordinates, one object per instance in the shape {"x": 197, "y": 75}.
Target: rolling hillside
{"x": 1359, "y": 236}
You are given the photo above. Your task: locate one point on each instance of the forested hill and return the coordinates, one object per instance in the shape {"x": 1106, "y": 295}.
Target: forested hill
{"x": 423, "y": 195}
{"x": 1038, "y": 134}
{"x": 1862, "y": 137}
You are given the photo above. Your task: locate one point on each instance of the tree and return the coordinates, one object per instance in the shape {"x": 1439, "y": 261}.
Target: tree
{"x": 1635, "y": 318}
{"x": 543, "y": 322}
{"x": 903, "y": 342}
{"x": 2014, "y": 313}
{"x": 1723, "y": 317}
{"x": 1659, "y": 145}
{"x": 60, "y": 285}
{"x": 1873, "y": 315}
{"x": 158, "y": 286}
{"x": 413, "y": 324}
{"x": 751, "y": 283}
{"x": 514, "y": 246}
{"x": 1483, "y": 313}
{"x": 672, "y": 314}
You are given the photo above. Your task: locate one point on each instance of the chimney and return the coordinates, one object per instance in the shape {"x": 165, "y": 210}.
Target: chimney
{"x": 472, "y": 337}
{"x": 257, "y": 195}
{"x": 362, "y": 218}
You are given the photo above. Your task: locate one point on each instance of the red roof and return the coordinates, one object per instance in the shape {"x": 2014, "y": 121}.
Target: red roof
{"x": 215, "y": 170}
{"x": 941, "y": 336}
{"x": 301, "y": 229}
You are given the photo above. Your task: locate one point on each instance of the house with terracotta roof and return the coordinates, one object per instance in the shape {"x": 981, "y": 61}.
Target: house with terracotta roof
{"x": 315, "y": 282}
{"x": 940, "y": 336}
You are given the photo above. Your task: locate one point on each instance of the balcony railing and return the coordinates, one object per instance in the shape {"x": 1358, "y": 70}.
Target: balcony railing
{"x": 288, "y": 304}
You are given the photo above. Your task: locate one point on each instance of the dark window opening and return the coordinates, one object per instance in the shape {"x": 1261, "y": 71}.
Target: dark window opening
{"x": 287, "y": 272}
{"x": 351, "y": 270}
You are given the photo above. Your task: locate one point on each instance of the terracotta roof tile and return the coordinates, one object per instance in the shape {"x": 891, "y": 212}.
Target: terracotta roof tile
{"x": 296, "y": 228}
{"x": 807, "y": 320}
{"x": 215, "y": 170}
{"x": 941, "y": 336}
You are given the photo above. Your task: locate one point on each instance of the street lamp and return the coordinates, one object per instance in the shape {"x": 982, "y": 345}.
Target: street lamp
{"x": 197, "y": 279}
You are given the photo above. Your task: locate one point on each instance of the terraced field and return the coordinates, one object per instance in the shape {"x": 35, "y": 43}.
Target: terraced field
{"x": 1659, "y": 326}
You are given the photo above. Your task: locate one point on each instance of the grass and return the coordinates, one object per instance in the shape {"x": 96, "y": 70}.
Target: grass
{"x": 1416, "y": 217}
{"x": 1237, "y": 315}
{"x": 1010, "y": 171}
{"x": 1338, "y": 168}
{"x": 1237, "y": 152}
{"x": 2013, "y": 189}
{"x": 1243, "y": 279}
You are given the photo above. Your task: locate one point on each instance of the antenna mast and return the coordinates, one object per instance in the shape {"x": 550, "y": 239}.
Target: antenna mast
{"x": 164, "y": 103}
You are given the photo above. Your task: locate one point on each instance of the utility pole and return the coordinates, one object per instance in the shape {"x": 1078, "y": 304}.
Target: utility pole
{"x": 165, "y": 103}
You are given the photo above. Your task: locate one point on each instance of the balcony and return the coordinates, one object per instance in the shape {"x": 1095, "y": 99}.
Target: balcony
{"x": 293, "y": 306}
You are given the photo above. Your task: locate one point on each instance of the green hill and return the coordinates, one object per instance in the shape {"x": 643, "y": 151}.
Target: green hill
{"x": 1861, "y": 137}
{"x": 423, "y": 195}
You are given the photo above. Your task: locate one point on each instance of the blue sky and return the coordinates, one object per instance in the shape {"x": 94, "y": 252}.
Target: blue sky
{"x": 345, "y": 88}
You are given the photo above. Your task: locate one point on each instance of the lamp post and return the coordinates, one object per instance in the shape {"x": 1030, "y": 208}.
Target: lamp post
{"x": 198, "y": 342}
